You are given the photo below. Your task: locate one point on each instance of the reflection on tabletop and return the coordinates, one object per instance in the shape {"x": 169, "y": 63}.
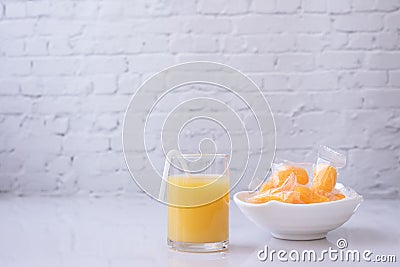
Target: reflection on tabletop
{"x": 177, "y": 259}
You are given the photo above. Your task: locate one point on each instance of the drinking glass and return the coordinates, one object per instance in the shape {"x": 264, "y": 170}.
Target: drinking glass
{"x": 198, "y": 197}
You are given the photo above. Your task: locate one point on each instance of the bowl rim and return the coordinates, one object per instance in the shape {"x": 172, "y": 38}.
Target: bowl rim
{"x": 356, "y": 196}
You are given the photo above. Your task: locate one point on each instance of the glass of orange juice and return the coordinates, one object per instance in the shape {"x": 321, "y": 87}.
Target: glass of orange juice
{"x": 198, "y": 197}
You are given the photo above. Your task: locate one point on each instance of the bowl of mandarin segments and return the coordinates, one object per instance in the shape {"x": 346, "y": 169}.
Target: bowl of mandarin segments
{"x": 292, "y": 207}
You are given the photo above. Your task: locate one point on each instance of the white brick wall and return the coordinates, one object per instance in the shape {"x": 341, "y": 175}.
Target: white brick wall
{"x": 330, "y": 70}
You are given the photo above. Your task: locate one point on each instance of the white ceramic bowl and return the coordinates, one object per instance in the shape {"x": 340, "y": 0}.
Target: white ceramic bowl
{"x": 300, "y": 221}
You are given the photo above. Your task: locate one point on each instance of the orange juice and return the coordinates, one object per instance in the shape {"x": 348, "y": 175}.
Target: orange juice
{"x": 208, "y": 223}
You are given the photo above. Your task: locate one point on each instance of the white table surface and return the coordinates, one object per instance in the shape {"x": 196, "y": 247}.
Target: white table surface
{"x": 50, "y": 231}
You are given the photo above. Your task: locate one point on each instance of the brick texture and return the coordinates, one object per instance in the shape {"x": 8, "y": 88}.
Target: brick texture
{"x": 330, "y": 70}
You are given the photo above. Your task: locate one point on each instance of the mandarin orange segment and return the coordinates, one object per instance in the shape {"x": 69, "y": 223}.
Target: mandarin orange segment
{"x": 266, "y": 186}
{"x": 300, "y": 173}
{"x": 316, "y": 198}
{"x": 336, "y": 196}
{"x": 332, "y": 196}
{"x": 325, "y": 178}
{"x": 273, "y": 182}
{"x": 262, "y": 198}
{"x": 304, "y": 194}
{"x": 289, "y": 185}
{"x": 291, "y": 197}
{"x": 280, "y": 177}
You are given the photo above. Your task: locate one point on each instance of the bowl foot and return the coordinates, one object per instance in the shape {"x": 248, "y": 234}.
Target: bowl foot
{"x": 299, "y": 237}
